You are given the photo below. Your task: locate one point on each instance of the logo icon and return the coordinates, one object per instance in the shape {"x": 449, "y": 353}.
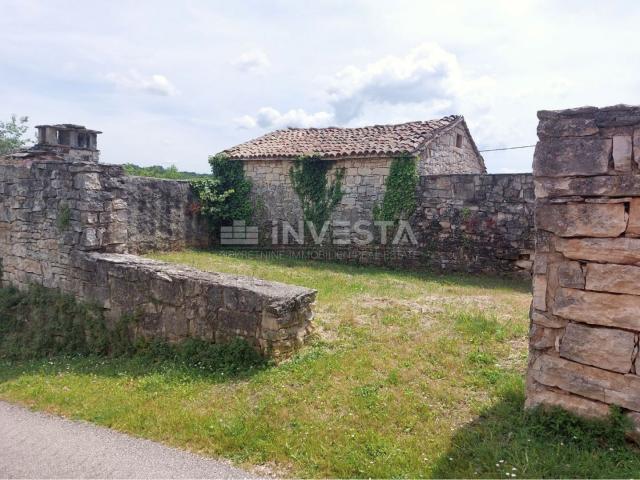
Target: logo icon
{"x": 239, "y": 234}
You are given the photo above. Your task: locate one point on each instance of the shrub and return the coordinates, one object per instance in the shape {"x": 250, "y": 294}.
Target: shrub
{"x": 225, "y": 196}
{"x": 43, "y": 322}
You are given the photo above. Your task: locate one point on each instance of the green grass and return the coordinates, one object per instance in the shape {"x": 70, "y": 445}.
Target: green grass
{"x": 408, "y": 375}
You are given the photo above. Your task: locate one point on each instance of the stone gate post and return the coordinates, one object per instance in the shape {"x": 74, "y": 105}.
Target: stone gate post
{"x": 585, "y": 314}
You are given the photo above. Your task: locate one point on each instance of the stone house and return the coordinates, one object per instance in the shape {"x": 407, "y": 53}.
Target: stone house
{"x": 443, "y": 146}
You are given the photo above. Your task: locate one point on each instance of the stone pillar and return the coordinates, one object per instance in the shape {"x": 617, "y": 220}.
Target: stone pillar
{"x": 585, "y": 314}
{"x": 50, "y": 136}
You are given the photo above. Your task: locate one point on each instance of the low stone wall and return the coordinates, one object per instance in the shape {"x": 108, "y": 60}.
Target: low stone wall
{"x": 59, "y": 221}
{"x": 585, "y": 316}
{"x": 174, "y": 302}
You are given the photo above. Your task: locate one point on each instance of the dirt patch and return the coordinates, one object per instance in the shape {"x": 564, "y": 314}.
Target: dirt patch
{"x": 429, "y": 304}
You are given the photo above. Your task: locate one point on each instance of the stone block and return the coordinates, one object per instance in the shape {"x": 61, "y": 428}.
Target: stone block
{"x": 606, "y": 348}
{"x": 567, "y": 127}
{"x": 613, "y": 278}
{"x": 163, "y": 289}
{"x": 609, "y": 186}
{"x": 633, "y": 226}
{"x": 571, "y": 403}
{"x": 570, "y": 275}
{"x": 620, "y": 250}
{"x": 561, "y": 157}
{"x": 582, "y": 219}
{"x": 540, "y": 292}
{"x": 586, "y": 381}
{"x": 633, "y": 433}
{"x": 241, "y": 323}
{"x": 616, "y": 116}
{"x": 622, "y": 153}
{"x": 230, "y": 298}
{"x": 87, "y": 181}
{"x": 606, "y": 309}
{"x": 546, "y": 319}
{"x": 543, "y": 337}
{"x": 636, "y": 145}
{"x": 540, "y": 263}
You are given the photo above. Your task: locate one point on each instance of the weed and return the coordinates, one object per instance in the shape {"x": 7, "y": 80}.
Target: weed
{"x": 64, "y": 217}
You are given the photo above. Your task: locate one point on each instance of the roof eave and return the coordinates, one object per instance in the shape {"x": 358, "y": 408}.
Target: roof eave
{"x": 322, "y": 157}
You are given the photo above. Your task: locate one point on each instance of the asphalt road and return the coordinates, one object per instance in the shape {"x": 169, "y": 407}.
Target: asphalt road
{"x": 37, "y": 445}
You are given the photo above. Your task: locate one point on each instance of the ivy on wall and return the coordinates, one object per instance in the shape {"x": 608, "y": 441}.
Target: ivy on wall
{"x": 399, "y": 200}
{"x": 318, "y": 196}
{"x": 224, "y": 196}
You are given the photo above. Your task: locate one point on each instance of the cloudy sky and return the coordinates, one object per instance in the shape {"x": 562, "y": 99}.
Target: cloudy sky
{"x": 173, "y": 82}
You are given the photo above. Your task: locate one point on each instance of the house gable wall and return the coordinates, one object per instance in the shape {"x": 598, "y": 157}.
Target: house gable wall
{"x": 441, "y": 156}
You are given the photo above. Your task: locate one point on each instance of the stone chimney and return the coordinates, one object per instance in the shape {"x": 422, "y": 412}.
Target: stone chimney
{"x": 74, "y": 143}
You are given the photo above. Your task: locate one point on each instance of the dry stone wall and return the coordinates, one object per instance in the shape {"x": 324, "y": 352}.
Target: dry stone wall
{"x": 70, "y": 225}
{"x": 585, "y": 316}
{"x": 175, "y": 302}
{"x": 464, "y": 222}
{"x": 475, "y": 223}
{"x": 160, "y": 215}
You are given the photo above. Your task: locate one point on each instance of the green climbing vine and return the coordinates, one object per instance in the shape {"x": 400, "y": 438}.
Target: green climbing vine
{"x": 317, "y": 194}
{"x": 224, "y": 196}
{"x": 399, "y": 201}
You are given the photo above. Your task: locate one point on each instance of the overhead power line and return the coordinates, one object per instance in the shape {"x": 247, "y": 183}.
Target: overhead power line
{"x": 506, "y": 148}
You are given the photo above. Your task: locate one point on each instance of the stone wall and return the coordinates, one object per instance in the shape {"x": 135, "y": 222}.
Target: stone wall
{"x": 160, "y": 215}
{"x": 174, "y": 302}
{"x": 69, "y": 225}
{"x": 473, "y": 223}
{"x": 585, "y": 316}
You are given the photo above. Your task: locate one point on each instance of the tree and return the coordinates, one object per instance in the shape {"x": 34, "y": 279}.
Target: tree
{"x": 12, "y": 134}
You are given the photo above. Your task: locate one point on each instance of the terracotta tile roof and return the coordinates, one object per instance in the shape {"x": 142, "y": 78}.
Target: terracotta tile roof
{"x": 333, "y": 142}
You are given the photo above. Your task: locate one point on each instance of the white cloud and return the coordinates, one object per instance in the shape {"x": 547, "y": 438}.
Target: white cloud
{"x": 268, "y": 117}
{"x": 245, "y": 121}
{"x": 254, "y": 61}
{"x": 427, "y": 75}
{"x": 155, "y": 84}
{"x": 425, "y": 83}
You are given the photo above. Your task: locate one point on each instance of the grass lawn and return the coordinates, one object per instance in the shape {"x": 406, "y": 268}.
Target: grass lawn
{"x": 408, "y": 375}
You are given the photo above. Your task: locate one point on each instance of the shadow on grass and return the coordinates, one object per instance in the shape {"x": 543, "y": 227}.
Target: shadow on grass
{"x": 134, "y": 366}
{"x": 192, "y": 360}
{"x": 284, "y": 260}
{"x": 508, "y": 442}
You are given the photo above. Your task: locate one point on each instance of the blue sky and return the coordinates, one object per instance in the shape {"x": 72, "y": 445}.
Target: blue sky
{"x": 173, "y": 82}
